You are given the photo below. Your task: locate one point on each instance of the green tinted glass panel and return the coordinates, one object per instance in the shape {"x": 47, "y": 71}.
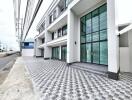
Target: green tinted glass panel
{"x": 83, "y": 52}
{"x": 83, "y": 20}
{"x": 88, "y": 23}
{"x": 95, "y": 21}
{"x": 88, "y": 38}
{"x": 103, "y": 35}
{"x": 103, "y": 53}
{"x": 88, "y": 52}
{"x": 83, "y": 29}
{"x": 55, "y": 52}
{"x": 64, "y": 53}
{"x": 83, "y": 39}
{"x": 103, "y": 17}
{"x": 96, "y": 52}
{"x": 95, "y": 36}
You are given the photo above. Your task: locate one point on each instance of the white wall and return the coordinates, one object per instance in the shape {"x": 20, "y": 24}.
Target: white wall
{"x": 126, "y": 53}
{"x": 72, "y": 37}
{"x": 124, "y": 59}
{"x": 113, "y": 39}
{"x": 27, "y": 52}
{"x": 130, "y": 48}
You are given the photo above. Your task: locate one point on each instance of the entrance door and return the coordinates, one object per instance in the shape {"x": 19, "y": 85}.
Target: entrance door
{"x": 63, "y": 53}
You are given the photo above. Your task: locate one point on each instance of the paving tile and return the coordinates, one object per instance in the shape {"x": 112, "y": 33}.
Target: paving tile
{"x": 57, "y": 81}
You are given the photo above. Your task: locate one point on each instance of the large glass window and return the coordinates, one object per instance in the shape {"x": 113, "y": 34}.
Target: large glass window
{"x": 64, "y": 30}
{"x": 83, "y": 52}
{"x": 93, "y": 37}
{"x": 88, "y": 52}
{"x": 103, "y": 53}
{"x": 64, "y": 53}
{"x": 55, "y": 52}
{"x": 83, "y": 26}
{"x": 88, "y": 23}
{"x": 59, "y": 32}
{"x": 95, "y": 52}
{"x": 95, "y": 21}
{"x": 103, "y": 18}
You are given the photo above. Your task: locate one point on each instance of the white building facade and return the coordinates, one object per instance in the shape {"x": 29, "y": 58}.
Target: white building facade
{"x": 80, "y": 31}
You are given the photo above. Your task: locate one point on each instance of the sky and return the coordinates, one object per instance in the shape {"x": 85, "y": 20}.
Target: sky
{"x": 7, "y": 26}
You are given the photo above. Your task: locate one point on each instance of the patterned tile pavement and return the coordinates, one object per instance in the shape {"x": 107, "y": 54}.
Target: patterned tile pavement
{"x": 57, "y": 81}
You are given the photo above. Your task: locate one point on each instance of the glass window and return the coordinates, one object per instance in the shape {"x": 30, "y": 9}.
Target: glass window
{"x": 103, "y": 35}
{"x": 59, "y": 32}
{"x": 53, "y": 36}
{"x": 95, "y": 21}
{"x": 54, "y": 15}
{"x": 83, "y": 39}
{"x": 83, "y": 26}
{"x": 55, "y": 52}
{"x": 64, "y": 30}
{"x": 103, "y": 17}
{"x": 103, "y": 53}
{"x": 88, "y": 23}
{"x": 50, "y": 19}
{"x": 88, "y": 38}
{"x": 83, "y": 52}
{"x": 95, "y": 36}
{"x": 96, "y": 52}
{"x": 63, "y": 52}
{"x": 88, "y": 52}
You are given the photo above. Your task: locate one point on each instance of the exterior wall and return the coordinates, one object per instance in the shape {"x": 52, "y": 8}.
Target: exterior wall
{"x": 72, "y": 38}
{"x": 113, "y": 39}
{"x": 124, "y": 59}
{"x": 73, "y": 32}
{"x": 130, "y": 48}
{"x": 27, "y": 52}
{"x": 126, "y": 52}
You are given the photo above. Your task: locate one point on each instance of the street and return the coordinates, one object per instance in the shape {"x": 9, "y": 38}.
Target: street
{"x": 5, "y": 60}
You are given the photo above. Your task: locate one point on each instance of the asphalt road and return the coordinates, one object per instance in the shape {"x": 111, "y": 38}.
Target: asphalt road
{"x": 5, "y": 60}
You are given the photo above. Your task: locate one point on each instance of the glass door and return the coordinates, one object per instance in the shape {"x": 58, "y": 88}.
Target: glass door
{"x": 64, "y": 53}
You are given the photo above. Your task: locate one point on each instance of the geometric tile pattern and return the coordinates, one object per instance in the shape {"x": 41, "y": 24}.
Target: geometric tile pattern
{"x": 57, "y": 81}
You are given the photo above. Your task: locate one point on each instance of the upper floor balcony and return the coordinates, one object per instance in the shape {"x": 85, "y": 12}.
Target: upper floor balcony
{"x": 59, "y": 36}
{"x": 58, "y": 10}
{"x": 41, "y": 28}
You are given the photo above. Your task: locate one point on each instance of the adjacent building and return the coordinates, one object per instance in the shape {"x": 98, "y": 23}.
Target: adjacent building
{"x": 28, "y": 48}
{"x": 80, "y": 31}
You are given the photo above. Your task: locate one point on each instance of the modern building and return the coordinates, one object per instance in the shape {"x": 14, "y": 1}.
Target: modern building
{"x": 25, "y": 12}
{"x": 28, "y": 48}
{"x": 81, "y": 31}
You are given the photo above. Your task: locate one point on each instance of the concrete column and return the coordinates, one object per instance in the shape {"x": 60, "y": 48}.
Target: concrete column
{"x": 35, "y": 47}
{"x": 72, "y": 37}
{"x": 47, "y": 50}
{"x": 113, "y": 40}
{"x": 60, "y": 52}
{"x": 38, "y": 52}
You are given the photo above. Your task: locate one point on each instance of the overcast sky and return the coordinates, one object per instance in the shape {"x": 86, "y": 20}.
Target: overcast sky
{"x": 7, "y": 28}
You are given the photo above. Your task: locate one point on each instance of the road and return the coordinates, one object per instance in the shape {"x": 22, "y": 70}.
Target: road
{"x": 6, "y": 60}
